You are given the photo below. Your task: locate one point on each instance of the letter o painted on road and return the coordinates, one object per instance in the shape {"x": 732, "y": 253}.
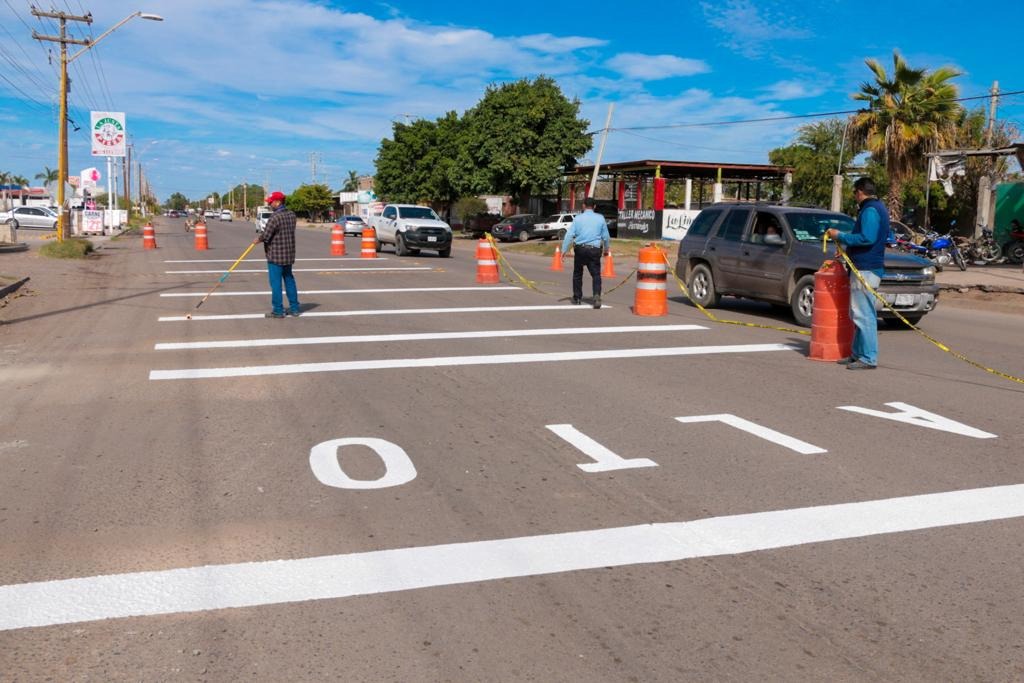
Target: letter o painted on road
{"x": 323, "y": 459}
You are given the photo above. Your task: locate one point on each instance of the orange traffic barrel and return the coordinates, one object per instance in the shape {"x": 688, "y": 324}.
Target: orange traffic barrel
{"x": 556, "y": 260}
{"x": 651, "y": 293}
{"x": 148, "y": 236}
{"x": 200, "y": 230}
{"x": 337, "y": 240}
{"x": 831, "y": 327}
{"x": 369, "y": 248}
{"x": 486, "y": 264}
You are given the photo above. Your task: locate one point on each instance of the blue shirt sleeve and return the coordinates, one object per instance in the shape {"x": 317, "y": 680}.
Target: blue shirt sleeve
{"x": 605, "y": 237}
{"x": 870, "y": 223}
{"x": 569, "y": 235}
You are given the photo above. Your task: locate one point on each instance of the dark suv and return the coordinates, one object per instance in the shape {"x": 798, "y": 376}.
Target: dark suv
{"x": 770, "y": 253}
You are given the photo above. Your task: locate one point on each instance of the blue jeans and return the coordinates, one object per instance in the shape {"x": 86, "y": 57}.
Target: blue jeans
{"x": 865, "y": 321}
{"x": 278, "y": 273}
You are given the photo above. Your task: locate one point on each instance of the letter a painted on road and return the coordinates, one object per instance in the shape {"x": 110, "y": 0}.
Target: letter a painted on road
{"x": 922, "y": 418}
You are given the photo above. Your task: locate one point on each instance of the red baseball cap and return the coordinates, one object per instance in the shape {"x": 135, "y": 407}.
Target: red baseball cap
{"x": 275, "y": 197}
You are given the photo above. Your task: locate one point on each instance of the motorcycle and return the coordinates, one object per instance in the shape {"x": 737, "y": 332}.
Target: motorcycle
{"x": 941, "y": 250}
{"x": 984, "y": 249}
{"x": 1015, "y": 247}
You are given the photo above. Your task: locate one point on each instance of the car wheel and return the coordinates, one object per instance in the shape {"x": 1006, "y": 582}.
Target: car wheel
{"x": 400, "y": 249}
{"x": 702, "y": 287}
{"x": 1015, "y": 252}
{"x": 379, "y": 245}
{"x": 444, "y": 253}
{"x": 523, "y": 236}
{"x": 802, "y": 301}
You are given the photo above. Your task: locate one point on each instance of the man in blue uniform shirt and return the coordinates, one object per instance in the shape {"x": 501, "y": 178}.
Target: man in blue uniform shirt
{"x": 865, "y": 246}
{"x": 589, "y": 233}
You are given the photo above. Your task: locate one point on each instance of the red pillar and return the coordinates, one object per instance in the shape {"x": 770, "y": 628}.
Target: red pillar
{"x": 572, "y": 197}
{"x": 659, "y": 194}
{"x": 640, "y": 193}
{"x": 622, "y": 195}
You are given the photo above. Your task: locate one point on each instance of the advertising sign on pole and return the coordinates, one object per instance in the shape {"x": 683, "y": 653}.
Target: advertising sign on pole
{"x": 90, "y": 177}
{"x": 108, "y": 133}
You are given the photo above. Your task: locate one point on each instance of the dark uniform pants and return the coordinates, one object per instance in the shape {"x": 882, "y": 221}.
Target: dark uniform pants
{"x": 589, "y": 257}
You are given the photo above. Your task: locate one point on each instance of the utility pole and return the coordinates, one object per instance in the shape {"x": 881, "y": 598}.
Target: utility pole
{"x": 313, "y": 158}
{"x": 992, "y": 114}
{"x": 984, "y": 213}
{"x": 62, "y": 138}
{"x": 245, "y": 197}
{"x": 600, "y": 151}
{"x": 126, "y": 163}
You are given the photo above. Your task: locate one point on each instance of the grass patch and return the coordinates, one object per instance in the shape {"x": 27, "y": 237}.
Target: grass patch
{"x": 69, "y": 248}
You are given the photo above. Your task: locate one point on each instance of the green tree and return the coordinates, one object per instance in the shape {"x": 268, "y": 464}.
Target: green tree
{"x": 910, "y": 112}
{"x": 351, "y": 182}
{"x": 177, "y": 202}
{"x": 814, "y": 158}
{"x": 402, "y": 165}
{"x": 521, "y": 137}
{"x": 313, "y": 200}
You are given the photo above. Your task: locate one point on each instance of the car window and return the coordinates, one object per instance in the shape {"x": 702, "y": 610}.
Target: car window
{"x": 809, "y": 227}
{"x": 733, "y": 225}
{"x": 702, "y": 224}
{"x": 390, "y": 212}
{"x": 418, "y": 212}
{"x": 764, "y": 224}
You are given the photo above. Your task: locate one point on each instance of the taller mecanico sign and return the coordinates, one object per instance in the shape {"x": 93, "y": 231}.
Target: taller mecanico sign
{"x": 108, "y": 134}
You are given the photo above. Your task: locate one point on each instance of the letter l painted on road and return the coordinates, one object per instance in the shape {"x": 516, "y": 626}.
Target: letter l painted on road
{"x": 757, "y": 430}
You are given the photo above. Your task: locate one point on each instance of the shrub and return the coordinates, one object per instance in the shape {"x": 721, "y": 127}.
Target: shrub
{"x": 69, "y": 248}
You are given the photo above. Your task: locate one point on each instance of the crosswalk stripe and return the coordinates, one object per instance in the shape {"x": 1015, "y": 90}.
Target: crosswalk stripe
{"x": 298, "y": 270}
{"x": 385, "y": 311}
{"x": 258, "y": 260}
{"x": 421, "y": 336}
{"x": 449, "y": 361}
{"x": 476, "y": 288}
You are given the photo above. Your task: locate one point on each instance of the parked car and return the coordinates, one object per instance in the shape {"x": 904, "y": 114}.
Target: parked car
{"x": 353, "y": 225}
{"x": 556, "y": 226}
{"x": 725, "y": 253}
{"x": 521, "y": 227}
{"x": 411, "y": 228}
{"x": 30, "y": 217}
{"x": 480, "y": 224}
{"x": 226, "y": 215}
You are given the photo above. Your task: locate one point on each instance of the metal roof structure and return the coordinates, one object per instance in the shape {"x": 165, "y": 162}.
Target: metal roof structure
{"x": 688, "y": 169}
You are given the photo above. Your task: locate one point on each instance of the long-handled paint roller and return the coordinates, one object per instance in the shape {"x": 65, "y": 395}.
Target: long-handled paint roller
{"x": 223, "y": 278}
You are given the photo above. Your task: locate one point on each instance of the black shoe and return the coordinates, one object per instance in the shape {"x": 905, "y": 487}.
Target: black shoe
{"x": 846, "y": 361}
{"x": 575, "y": 301}
{"x": 273, "y": 315}
{"x": 859, "y": 365}
{"x": 597, "y": 302}
{"x": 295, "y": 313}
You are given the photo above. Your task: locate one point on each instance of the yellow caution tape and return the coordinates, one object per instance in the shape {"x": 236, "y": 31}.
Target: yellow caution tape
{"x": 959, "y": 356}
{"x": 711, "y": 316}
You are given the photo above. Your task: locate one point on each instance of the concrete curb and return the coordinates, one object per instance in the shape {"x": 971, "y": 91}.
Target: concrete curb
{"x": 12, "y": 248}
{"x": 991, "y": 289}
{"x": 13, "y": 287}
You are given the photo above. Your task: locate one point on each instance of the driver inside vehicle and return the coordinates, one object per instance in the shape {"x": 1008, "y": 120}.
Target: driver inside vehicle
{"x": 773, "y": 235}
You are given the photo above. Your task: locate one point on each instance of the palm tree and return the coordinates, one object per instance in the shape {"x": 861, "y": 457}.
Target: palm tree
{"x": 910, "y": 112}
{"x": 48, "y": 175}
{"x": 352, "y": 182}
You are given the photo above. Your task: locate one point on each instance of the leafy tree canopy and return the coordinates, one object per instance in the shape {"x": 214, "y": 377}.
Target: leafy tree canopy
{"x": 314, "y": 200}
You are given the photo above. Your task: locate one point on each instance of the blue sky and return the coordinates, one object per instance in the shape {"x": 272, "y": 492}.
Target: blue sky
{"x": 228, "y": 90}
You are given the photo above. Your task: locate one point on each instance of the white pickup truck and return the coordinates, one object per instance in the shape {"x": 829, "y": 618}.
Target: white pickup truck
{"x": 411, "y": 228}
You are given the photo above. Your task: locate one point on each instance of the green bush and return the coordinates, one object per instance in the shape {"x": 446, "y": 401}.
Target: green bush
{"x": 69, "y": 248}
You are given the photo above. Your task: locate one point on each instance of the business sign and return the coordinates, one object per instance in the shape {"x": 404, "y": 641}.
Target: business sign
{"x": 108, "y": 134}
{"x": 90, "y": 177}
{"x": 92, "y": 221}
{"x": 676, "y": 222}
{"x": 639, "y": 224}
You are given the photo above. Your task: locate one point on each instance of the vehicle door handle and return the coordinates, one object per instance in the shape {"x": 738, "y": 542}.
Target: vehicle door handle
{"x": 712, "y": 249}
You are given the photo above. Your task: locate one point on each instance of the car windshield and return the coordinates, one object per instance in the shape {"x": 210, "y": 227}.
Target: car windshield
{"x": 809, "y": 227}
{"x": 553, "y": 219}
{"x": 418, "y": 212}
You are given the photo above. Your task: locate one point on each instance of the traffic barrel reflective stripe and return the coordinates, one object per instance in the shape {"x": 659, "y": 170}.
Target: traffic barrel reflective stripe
{"x": 369, "y": 248}
{"x": 337, "y": 241}
{"x": 486, "y": 264}
{"x": 831, "y": 327}
{"x": 148, "y": 237}
{"x": 651, "y": 292}
{"x": 201, "y": 243}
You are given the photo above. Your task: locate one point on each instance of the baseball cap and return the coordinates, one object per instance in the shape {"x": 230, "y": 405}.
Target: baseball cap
{"x": 275, "y": 197}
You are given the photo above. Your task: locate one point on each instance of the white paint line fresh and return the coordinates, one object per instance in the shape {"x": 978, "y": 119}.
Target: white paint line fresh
{"x": 477, "y": 288}
{"x": 299, "y": 270}
{"x": 198, "y": 589}
{"x": 262, "y": 260}
{"x": 422, "y": 336}
{"x": 449, "y": 361}
{"x": 922, "y": 418}
{"x": 765, "y": 433}
{"x": 604, "y": 459}
{"x": 398, "y": 311}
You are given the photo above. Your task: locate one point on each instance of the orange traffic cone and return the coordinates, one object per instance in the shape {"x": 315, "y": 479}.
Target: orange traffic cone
{"x": 609, "y": 266}
{"x": 369, "y": 247}
{"x": 201, "y": 243}
{"x": 148, "y": 236}
{"x": 556, "y": 260}
{"x": 486, "y": 264}
{"x": 831, "y": 327}
{"x": 337, "y": 241}
{"x": 651, "y": 294}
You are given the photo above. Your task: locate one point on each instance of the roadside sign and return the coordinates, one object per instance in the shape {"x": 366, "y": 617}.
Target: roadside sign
{"x": 108, "y": 133}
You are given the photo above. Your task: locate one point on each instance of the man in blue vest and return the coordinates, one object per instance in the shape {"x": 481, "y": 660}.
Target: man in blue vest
{"x": 866, "y": 248}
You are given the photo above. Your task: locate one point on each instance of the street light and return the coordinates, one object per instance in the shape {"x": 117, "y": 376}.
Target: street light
{"x": 64, "y": 61}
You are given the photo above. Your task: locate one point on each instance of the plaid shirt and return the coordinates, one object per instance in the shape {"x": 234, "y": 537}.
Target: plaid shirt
{"x": 279, "y": 237}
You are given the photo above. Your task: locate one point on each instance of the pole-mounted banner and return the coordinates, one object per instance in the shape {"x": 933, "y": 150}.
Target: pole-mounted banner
{"x": 108, "y": 133}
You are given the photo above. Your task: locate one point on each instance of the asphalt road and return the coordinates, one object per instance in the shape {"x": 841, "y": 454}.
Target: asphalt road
{"x": 515, "y": 502}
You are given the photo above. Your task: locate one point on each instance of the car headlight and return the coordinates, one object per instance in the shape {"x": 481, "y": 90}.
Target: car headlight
{"x": 929, "y": 271}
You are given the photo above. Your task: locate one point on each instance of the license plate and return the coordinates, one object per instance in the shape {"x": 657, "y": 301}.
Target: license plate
{"x": 431, "y": 238}
{"x": 905, "y": 299}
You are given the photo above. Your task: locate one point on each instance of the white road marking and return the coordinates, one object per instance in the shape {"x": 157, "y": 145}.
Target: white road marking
{"x": 922, "y": 418}
{"x": 765, "y": 433}
{"x": 300, "y": 270}
{"x": 604, "y": 459}
{"x": 397, "y": 311}
{"x": 212, "y": 587}
{"x": 258, "y": 260}
{"x": 421, "y": 336}
{"x": 476, "y": 288}
{"x": 398, "y": 468}
{"x": 449, "y": 361}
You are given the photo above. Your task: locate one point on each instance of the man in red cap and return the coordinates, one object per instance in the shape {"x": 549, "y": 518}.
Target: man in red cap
{"x": 279, "y": 243}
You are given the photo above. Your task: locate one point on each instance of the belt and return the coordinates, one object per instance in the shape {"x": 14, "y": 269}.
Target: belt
{"x": 589, "y": 246}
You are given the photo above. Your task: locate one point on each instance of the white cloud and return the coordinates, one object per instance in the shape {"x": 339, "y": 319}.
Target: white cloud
{"x": 546, "y": 42}
{"x": 750, "y": 29}
{"x": 792, "y": 90}
{"x": 655, "y": 67}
